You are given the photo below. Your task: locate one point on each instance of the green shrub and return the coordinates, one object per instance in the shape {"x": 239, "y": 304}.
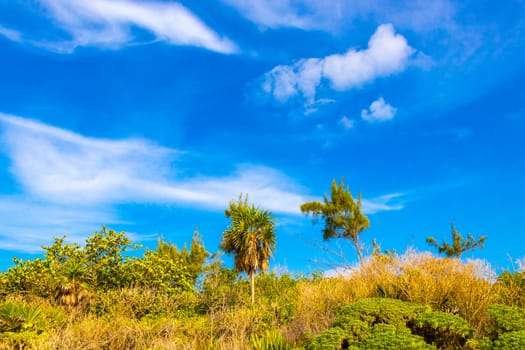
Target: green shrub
{"x": 510, "y": 341}
{"x": 379, "y": 310}
{"x": 445, "y": 330}
{"x": 164, "y": 274}
{"x": 331, "y": 339}
{"x": 385, "y": 336}
{"x": 506, "y": 319}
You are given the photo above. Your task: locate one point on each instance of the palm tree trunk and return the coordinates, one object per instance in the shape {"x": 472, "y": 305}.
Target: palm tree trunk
{"x": 252, "y": 280}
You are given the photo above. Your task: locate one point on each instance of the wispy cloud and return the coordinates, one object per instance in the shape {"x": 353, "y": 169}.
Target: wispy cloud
{"x": 331, "y": 15}
{"x": 110, "y": 24}
{"x": 387, "y": 202}
{"x": 64, "y": 167}
{"x": 379, "y": 111}
{"x": 286, "y": 13}
{"x": 388, "y": 53}
{"x": 70, "y": 182}
{"x": 347, "y": 123}
{"x": 10, "y": 34}
{"x": 28, "y": 223}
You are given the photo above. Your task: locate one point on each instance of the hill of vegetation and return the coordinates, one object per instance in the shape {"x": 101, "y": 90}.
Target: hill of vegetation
{"x": 104, "y": 295}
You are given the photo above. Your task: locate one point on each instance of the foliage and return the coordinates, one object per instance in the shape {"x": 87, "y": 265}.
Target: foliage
{"x": 379, "y": 310}
{"x": 342, "y": 215}
{"x": 159, "y": 272}
{"x": 250, "y": 237}
{"x": 271, "y": 339}
{"x": 33, "y": 276}
{"x": 100, "y": 264}
{"x": 97, "y": 297}
{"x": 510, "y": 341}
{"x": 445, "y": 330}
{"x": 17, "y": 317}
{"x": 506, "y": 319}
{"x": 511, "y": 288}
{"x": 389, "y": 337}
{"x": 103, "y": 259}
{"x": 380, "y": 323}
{"x": 459, "y": 245}
{"x": 193, "y": 259}
{"x": 331, "y": 339}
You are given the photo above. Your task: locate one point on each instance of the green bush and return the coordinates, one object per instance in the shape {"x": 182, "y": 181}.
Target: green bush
{"x": 379, "y": 310}
{"x": 158, "y": 272}
{"x": 385, "y": 336}
{"x": 331, "y": 339}
{"x": 505, "y": 319}
{"x": 445, "y": 330}
{"x": 510, "y": 341}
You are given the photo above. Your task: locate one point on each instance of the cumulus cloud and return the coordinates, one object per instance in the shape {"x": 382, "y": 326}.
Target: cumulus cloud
{"x": 379, "y": 111}
{"x": 110, "y": 23}
{"x": 388, "y": 53}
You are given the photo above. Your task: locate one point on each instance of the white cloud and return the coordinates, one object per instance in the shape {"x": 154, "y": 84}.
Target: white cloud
{"x": 109, "y": 23}
{"x": 28, "y": 224}
{"x": 387, "y": 202}
{"x": 60, "y": 166}
{"x": 388, "y": 53}
{"x": 71, "y": 182}
{"x": 379, "y": 110}
{"x": 10, "y": 34}
{"x": 419, "y": 15}
{"x": 347, "y": 123}
{"x": 282, "y": 13}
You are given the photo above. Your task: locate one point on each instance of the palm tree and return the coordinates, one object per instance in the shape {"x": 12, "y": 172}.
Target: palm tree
{"x": 250, "y": 237}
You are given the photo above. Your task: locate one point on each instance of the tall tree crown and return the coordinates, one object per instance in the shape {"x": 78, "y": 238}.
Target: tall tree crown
{"x": 341, "y": 214}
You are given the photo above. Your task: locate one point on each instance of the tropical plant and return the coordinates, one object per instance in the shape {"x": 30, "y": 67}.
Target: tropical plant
{"x": 271, "y": 339}
{"x": 250, "y": 237}
{"x": 16, "y": 317}
{"x": 342, "y": 215}
{"x": 459, "y": 244}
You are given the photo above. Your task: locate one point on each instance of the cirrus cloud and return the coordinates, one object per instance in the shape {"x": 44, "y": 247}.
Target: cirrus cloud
{"x": 111, "y": 24}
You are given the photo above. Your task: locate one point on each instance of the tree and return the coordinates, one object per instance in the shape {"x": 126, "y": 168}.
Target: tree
{"x": 250, "y": 237}
{"x": 342, "y": 215}
{"x": 459, "y": 244}
{"x": 193, "y": 259}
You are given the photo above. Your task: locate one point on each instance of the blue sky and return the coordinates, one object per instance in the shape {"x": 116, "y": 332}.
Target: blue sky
{"x": 150, "y": 116}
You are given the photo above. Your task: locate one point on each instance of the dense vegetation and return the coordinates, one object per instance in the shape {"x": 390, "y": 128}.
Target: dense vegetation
{"x": 105, "y": 295}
